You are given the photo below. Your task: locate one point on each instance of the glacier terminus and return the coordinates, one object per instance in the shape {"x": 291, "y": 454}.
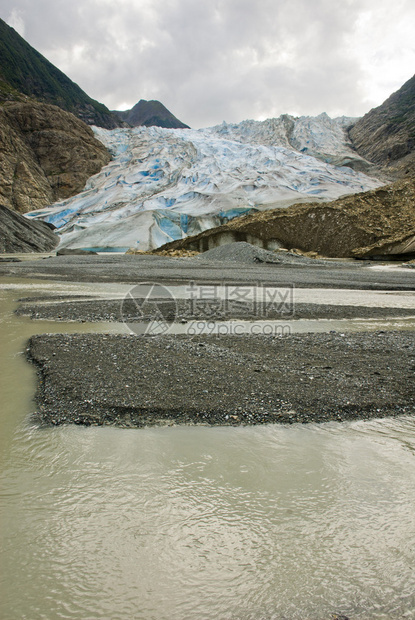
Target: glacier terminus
{"x": 165, "y": 184}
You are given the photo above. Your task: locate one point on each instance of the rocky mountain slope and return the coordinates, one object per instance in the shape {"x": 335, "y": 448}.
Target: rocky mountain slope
{"x": 17, "y": 234}
{"x": 46, "y": 154}
{"x": 386, "y": 135}
{"x": 164, "y": 184}
{"x": 25, "y": 72}
{"x": 379, "y": 222}
{"x": 150, "y": 114}
{"x": 373, "y": 223}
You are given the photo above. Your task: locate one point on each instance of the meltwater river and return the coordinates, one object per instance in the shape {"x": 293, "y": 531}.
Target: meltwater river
{"x": 185, "y": 523}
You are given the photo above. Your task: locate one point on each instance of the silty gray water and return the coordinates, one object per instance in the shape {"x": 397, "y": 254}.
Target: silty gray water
{"x": 194, "y": 522}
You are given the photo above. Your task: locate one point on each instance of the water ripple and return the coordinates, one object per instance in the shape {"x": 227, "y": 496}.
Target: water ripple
{"x": 271, "y": 522}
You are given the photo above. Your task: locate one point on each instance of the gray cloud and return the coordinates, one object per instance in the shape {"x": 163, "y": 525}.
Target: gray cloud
{"x": 214, "y": 60}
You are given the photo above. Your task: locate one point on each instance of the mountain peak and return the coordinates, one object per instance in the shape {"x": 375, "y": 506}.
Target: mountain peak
{"x": 150, "y": 113}
{"x": 386, "y": 134}
{"x": 26, "y": 74}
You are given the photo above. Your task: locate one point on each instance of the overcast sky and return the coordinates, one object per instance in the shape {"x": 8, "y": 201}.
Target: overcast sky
{"x": 215, "y": 60}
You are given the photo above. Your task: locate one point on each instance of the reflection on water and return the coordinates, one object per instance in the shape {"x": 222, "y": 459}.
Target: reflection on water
{"x": 192, "y": 522}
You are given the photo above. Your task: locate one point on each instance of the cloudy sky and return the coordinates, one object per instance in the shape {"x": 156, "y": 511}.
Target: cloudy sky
{"x": 215, "y": 60}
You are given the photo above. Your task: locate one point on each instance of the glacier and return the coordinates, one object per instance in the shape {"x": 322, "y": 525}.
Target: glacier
{"x": 319, "y": 136}
{"x": 165, "y": 184}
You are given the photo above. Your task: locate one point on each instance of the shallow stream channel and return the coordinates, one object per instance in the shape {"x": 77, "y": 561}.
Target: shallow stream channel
{"x": 278, "y": 521}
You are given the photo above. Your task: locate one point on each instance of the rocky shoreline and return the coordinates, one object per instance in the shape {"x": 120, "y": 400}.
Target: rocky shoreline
{"x": 133, "y": 269}
{"x": 137, "y": 380}
{"x": 183, "y": 310}
{"x": 131, "y": 381}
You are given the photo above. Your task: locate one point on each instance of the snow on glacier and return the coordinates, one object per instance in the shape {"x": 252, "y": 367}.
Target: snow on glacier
{"x": 164, "y": 184}
{"x": 319, "y": 136}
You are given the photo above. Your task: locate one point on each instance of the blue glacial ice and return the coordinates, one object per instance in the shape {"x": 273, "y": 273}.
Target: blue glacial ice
{"x": 165, "y": 184}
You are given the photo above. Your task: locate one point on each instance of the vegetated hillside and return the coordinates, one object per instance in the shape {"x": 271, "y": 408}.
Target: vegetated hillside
{"x": 378, "y": 222}
{"x": 386, "y": 135}
{"x": 18, "y": 234}
{"x": 46, "y": 154}
{"x": 25, "y": 72}
{"x": 150, "y": 114}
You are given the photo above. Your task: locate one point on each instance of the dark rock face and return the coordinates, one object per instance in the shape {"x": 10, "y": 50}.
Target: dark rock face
{"x": 46, "y": 154}
{"x": 150, "y": 114}
{"x": 18, "y": 234}
{"x": 26, "y": 73}
{"x": 386, "y": 135}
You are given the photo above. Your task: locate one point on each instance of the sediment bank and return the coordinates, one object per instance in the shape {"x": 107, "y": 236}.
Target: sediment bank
{"x": 142, "y": 268}
{"x": 121, "y": 310}
{"x": 130, "y": 381}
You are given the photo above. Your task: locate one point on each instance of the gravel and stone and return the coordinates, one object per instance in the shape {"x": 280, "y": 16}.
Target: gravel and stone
{"x": 136, "y": 380}
{"x": 131, "y": 269}
{"x": 133, "y": 381}
{"x": 182, "y": 310}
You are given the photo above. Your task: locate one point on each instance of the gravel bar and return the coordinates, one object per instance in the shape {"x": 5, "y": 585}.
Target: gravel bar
{"x": 142, "y": 268}
{"x": 133, "y": 381}
{"x": 117, "y": 310}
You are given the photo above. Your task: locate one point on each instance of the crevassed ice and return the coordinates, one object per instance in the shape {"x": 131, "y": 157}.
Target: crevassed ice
{"x": 164, "y": 184}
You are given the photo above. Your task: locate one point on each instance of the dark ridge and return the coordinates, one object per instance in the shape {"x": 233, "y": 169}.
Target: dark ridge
{"x": 26, "y": 73}
{"x": 150, "y": 114}
{"x": 386, "y": 134}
